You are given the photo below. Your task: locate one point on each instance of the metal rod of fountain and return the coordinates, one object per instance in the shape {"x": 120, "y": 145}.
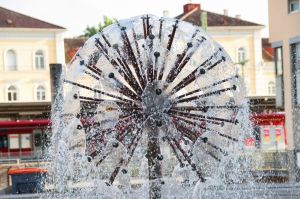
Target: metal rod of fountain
{"x": 153, "y": 80}
{"x": 154, "y": 165}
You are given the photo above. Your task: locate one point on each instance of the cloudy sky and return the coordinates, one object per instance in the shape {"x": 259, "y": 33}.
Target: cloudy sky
{"x": 75, "y": 15}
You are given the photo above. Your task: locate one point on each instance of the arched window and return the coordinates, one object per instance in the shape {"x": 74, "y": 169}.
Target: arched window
{"x": 39, "y": 60}
{"x": 271, "y": 88}
{"x": 40, "y": 93}
{"x": 12, "y": 93}
{"x": 241, "y": 55}
{"x": 11, "y": 60}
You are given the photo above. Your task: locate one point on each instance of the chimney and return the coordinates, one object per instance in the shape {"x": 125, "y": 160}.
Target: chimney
{"x": 226, "y": 12}
{"x": 166, "y": 13}
{"x": 238, "y": 16}
{"x": 190, "y": 6}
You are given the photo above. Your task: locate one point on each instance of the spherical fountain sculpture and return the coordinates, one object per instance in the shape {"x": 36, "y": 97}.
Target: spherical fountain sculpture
{"x": 152, "y": 98}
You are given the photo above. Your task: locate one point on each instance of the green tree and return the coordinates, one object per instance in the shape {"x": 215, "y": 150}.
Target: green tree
{"x": 90, "y": 31}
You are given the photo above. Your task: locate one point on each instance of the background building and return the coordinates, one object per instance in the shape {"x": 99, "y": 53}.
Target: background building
{"x": 265, "y": 71}
{"x": 254, "y": 58}
{"x": 284, "y": 18}
{"x": 72, "y": 45}
{"x": 242, "y": 40}
{"x": 27, "y": 47}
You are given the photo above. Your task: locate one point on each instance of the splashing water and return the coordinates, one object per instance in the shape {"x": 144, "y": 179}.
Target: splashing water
{"x": 149, "y": 108}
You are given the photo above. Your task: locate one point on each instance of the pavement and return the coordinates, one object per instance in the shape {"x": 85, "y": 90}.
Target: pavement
{"x": 259, "y": 191}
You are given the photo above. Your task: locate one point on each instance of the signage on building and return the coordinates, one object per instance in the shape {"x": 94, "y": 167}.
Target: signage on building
{"x": 14, "y": 141}
{"x": 272, "y": 137}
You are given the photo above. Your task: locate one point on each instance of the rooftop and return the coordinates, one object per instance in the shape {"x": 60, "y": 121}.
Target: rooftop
{"x": 12, "y": 19}
{"x": 72, "y": 45}
{"x": 268, "y": 51}
{"x": 192, "y": 12}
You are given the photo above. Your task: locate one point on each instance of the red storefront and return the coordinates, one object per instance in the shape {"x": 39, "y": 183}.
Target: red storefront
{"x": 27, "y": 138}
{"x": 270, "y": 143}
{"x": 22, "y": 138}
{"x": 270, "y": 131}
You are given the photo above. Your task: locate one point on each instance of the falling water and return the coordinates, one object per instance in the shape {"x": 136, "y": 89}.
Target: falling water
{"x": 149, "y": 108}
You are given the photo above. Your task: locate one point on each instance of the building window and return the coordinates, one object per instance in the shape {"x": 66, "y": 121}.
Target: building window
{"x": 12, "y": 93}
{"x": 41, "y": 93}
{"x": 39, "y": 60}
{"x": 293, "y": 6}
{"x": 241, "y": 56}
{"x": 295, "y": 58}
{"x": 271, "y": 88}
{"x": 11, "y": 60}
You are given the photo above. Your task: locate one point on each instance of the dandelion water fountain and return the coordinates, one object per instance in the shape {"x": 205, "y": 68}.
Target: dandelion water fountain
{"x": 148, "y": 108}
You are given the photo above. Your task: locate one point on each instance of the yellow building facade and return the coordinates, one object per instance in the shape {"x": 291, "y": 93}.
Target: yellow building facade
{"x": 248, "y": 41}
{"x": 27, "y": 47}
{"x": 242, "y": 41}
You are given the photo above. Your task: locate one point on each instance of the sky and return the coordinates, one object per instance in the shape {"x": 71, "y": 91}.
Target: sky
{"x": 75, "y": 15}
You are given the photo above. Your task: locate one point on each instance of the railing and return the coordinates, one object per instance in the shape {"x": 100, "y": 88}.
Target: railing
{"x": 20, "y": 157}
{"x": 273, "y": 160}
{"x": 270, "y": 166}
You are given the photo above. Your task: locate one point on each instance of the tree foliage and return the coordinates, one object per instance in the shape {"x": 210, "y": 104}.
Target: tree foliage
{"x": 90, "y": 31}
